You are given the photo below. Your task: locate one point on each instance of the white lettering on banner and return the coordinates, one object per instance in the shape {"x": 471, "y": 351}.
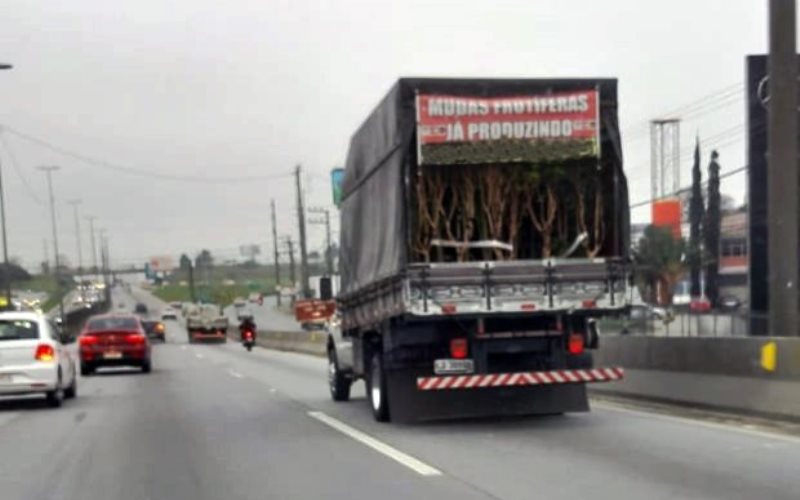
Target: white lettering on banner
{"x": 444, "y": 107}
{"x": 512, "y": 130}
{"x": 455, "y": 132}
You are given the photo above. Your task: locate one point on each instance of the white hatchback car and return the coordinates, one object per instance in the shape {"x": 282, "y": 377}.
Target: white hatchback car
{"x": 33, "y": 358}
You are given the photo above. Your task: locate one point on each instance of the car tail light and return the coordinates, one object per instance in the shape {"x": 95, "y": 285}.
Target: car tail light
{"x": 135, "y": 338}
{"x": 459, "y": 348}
{"x": 87, "y": 340}
{"x": 45, "y": 352}
{"x": 589, "y": 304}
{"x": 575, "y": 343}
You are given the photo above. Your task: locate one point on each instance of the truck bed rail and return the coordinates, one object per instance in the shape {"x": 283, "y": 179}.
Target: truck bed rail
{"x": 594, "y": 286}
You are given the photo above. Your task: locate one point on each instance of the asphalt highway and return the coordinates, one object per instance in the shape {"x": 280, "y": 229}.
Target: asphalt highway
{"x": 217, "y": 422}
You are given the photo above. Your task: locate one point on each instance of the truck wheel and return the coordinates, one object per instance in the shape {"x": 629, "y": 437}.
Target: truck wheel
{"x": 378, "y": 395}
{"x": 338, "y": 383}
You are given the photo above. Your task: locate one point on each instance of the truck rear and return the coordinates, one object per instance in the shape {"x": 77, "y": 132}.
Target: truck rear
{"x": 206, "y": 322}
{"x": 484, "y": 230}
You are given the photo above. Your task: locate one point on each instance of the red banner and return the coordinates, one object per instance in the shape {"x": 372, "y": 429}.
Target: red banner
{"x": 523, "y": 123}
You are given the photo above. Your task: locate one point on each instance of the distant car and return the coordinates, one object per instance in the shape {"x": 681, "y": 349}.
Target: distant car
{"x": 256, "y": 298}
{"x": 140, "y": 308}
{"x": 239, "y": 302}
{"x": 730, "y": 303}
{"x": 154, "y": 329}
{"x": 176, "y": 305}
{"x": 699, "y": 305}
{"x": 169, "y": 313}
{"x": 114, "y": 340}
{"x": 34, "y": 359}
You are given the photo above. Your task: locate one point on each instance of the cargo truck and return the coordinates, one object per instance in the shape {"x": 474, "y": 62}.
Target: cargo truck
{"x": 484, "y": 230}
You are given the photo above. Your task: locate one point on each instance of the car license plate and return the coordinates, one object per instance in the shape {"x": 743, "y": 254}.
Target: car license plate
{"x": 112, "y": 355}
{"x": 452, "y": 366}
{"x": 6, "y": 378}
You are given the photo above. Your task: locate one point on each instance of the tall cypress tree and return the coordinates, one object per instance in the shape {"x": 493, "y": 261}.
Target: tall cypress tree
{"x": 713, "y": 221}
{"x": 696, "y": 213}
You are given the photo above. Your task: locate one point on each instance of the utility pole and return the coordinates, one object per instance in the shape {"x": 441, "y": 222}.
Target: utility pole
{"x": 6, "y": 269}
{"x": 46, "y": 254}
{"x": 277, "y": 253}
{"x": 287, "y": 240}
{"x": 782, "y": 181}
{"x": 48, "y": 170}
{"x": 301, "y": 218}
{"x": 94, "y": 246}
{"x": 327, "y": 222}
{"x": 75, "y": 204}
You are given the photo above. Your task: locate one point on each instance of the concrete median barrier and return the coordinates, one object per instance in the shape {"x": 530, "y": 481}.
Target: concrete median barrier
{"x": 755, "y": 375}
{"x": 303, "y": 342}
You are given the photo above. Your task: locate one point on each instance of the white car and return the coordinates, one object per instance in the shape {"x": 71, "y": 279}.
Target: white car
{"x": 169, "y": 313}
{"x": 33, "y": 360}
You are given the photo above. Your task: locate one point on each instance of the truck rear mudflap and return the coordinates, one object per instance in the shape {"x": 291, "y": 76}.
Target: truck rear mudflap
{"x": 415, "y": 396}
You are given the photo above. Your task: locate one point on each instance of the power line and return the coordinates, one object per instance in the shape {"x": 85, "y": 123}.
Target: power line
{"x": 18, "y": 171}
{"x": 88, "y": 160}
{"x": 686, "y": 188}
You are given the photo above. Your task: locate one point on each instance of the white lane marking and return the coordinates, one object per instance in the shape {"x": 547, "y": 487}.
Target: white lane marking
{"x": 748, "y": 431}
{"x": 183, "y": 348}
{"x": 412, "y": 463}
{"x": 236, "y": 374}
{"x": 198, "y": 356}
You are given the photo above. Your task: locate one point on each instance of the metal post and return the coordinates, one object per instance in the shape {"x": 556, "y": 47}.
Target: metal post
{"x": 48, "y": 170}
{"x": 328, "y": 254}
{"x": 277, "y": 254}
{"x": 301, "y": 218}
{"x": 94, "y": 246}
{"x": 75, "y": 204}
{"x": 292, "y": 274}
{"x": 782, "y": 181}
{"x": 6, "y": 269}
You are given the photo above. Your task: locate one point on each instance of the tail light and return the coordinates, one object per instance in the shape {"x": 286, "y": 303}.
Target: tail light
{"x": 45, "y": 352}
{"x": 589, "y": 304}
{"x": 135, "y": 338}
{"x": 449, "y": 308}
{"x": 575, "y": 343}
{"x": 248, "y": 334}
{"x": 459, "y": 348}
{"x": 86, "y": 340}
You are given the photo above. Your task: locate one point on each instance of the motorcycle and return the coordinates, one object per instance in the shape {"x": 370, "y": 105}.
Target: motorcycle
{"x": 248, "y": 339}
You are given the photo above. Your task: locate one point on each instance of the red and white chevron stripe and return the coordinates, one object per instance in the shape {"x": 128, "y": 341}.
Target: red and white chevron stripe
{"x": 520, "y": 378}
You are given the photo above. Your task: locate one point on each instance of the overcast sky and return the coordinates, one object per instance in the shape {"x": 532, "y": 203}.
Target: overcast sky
{"x": 240, "y": 89}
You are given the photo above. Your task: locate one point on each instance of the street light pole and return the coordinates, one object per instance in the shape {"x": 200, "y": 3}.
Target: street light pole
{"x": 75, "y": 204}
{"x": 6, "y": 269}
{"x": 94, "y": 244}
{"x": 48, "y": 170}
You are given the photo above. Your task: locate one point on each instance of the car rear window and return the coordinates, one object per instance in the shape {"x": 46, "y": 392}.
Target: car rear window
{"x": 18, "y": 329}
{"x": 100, "y": 324}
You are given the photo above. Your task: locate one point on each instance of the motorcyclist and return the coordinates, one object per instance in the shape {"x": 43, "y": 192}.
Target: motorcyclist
{"x": 247, "y": 324}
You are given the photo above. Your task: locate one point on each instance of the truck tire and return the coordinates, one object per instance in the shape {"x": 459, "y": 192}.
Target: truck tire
{"x": 376, "y": 387}
{"x": 338, "y": 382}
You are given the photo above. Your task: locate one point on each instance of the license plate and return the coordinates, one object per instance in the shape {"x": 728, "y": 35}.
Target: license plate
{"x": 6, "y": 378}
{"x": 451, "y": 366}
{"x": 112, "y": 355}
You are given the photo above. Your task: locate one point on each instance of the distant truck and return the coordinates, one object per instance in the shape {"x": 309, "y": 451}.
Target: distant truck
{"x": 484, "y": 229}
{"x": 206, "y": 322}
{"x": 313, "y": 314}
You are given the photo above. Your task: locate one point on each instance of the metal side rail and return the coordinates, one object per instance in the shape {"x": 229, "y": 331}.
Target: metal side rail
{"x": 436, "y": 383}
